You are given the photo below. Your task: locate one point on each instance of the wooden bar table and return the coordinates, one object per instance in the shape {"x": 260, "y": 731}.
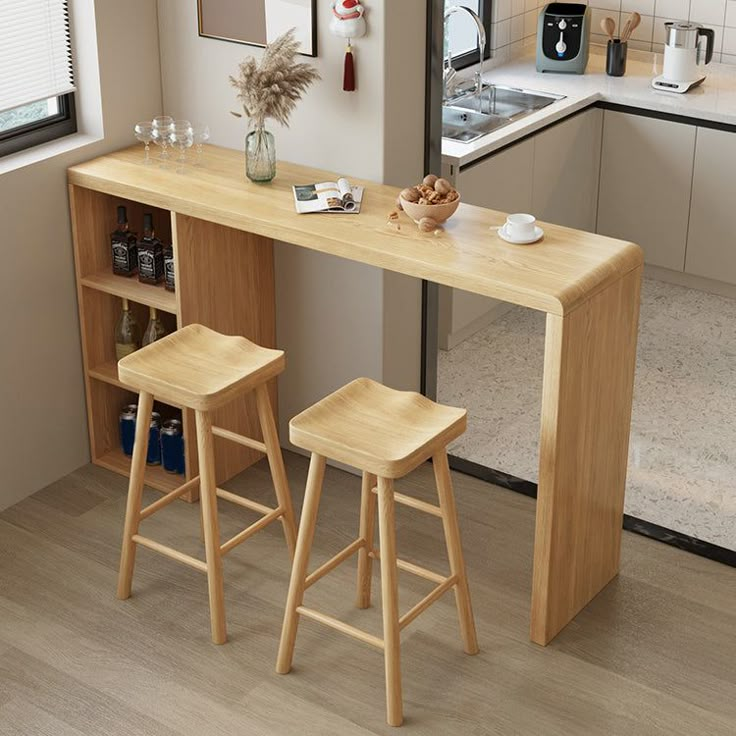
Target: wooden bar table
{"x": 588, "y": 286}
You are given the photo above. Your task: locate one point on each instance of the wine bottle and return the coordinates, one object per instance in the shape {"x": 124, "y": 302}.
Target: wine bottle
{"x": 127, "y": 334}
{"x": 124, "y": 248}
{"x": 169, "y": 274}
{"x": 150, "y": 254}
{"x": 155, "y": 330}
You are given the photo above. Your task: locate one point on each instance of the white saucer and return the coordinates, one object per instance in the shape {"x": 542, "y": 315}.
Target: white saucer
{"x": 538, "y": 233}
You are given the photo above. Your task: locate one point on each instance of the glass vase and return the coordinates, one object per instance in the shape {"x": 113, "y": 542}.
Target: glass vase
{"x": 260, "y": 155}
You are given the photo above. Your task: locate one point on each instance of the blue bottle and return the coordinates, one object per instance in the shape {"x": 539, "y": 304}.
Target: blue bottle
{"x": 172, "y": 446}
{"x": 127, "y": 428}
{"x": 154, "y": 440}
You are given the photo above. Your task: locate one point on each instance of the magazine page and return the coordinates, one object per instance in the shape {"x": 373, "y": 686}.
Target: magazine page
{"x": 328, "y": 196}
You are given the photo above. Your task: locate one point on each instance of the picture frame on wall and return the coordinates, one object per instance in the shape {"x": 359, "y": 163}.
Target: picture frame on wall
{"x": 258, "y": 22}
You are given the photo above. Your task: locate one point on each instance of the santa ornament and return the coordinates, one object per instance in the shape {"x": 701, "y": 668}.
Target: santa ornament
{"x": 348, "y": 22}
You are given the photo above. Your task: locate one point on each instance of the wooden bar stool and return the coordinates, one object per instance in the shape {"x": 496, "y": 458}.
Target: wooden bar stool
{"x": 200, "y": 369}
{"x": 386, "y": 434}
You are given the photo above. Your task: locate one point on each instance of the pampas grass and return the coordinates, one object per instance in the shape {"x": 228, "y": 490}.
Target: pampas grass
{"x": 272, "y": 88}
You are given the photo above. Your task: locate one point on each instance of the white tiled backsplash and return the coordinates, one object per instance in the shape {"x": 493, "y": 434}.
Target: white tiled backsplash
{"x": 514, "y": 23}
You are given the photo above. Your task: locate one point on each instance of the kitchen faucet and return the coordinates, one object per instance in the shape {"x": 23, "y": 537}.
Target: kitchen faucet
{"x": 449, "y": 75}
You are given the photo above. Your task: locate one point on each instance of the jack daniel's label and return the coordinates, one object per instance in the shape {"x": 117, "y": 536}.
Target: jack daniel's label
{"x": 150, "y": 263}
{"x": 124, "y": 257}
{"x": 169, "y": 275}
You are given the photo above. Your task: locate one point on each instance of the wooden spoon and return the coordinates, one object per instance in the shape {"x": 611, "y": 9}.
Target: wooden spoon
{"x": 631, "y": 25}
{"x": 609, "y": 27}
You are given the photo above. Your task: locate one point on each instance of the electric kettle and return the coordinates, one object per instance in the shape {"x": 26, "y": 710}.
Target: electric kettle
{"x": 684, "y": 56}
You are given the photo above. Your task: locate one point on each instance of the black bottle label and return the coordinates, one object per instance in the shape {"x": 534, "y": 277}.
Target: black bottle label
{"x": 124, "y": 257}
{"x": 169, "y": 276}
{"x": 150, "y": 264}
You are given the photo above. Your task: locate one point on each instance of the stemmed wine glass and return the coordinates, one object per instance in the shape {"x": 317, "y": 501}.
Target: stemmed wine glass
{"x": 200, "y": 134}
{"x": 182, "y": 138}
{"x": 144, "y": 133}
{"x": 161, "y": 130}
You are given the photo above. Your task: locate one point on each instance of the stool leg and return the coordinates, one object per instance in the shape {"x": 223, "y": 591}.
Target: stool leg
{"x": 301, "y": 560}
{"x": 390, "y": 601}
{"x": 276, "y": 463}
{"x": 367, "y": 523}
{"x": 135, "y": 494}
{"x": 208, "y": 501}
{"x": 455, "y": 551}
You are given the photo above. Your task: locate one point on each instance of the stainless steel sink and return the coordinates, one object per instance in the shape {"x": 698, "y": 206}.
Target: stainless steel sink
{"x": 467, "y": 117}
{"x": 466, "y": 126}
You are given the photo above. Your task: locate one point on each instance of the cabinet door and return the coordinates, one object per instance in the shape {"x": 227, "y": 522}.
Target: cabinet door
{"x": 567, "y": 160}
{"x": 502, "y": 182}
{"x": 711, "y": 243}
{"x": 646, "y": 177}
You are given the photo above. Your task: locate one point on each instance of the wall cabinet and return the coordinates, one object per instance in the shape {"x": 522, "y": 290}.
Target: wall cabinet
{"x": 645, "y": 183}
{"x": 711, "y": 244}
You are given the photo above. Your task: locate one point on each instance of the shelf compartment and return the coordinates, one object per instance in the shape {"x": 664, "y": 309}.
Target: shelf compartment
{"x": 156, "y": 477}
{"x": 132, "y": 289}
{"x": 108, "y": 372}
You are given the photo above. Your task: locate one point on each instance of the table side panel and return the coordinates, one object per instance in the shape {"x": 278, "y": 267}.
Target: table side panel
{"x": 225, "y": 280}
{"x": 590, "y": 357}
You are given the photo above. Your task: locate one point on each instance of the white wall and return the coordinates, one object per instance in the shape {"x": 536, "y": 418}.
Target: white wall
{"x": 331, "y": 312}
{"x": 44, "y": 428}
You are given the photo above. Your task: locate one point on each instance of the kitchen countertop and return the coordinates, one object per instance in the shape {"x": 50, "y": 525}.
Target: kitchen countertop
{"x": 714, "y": 100}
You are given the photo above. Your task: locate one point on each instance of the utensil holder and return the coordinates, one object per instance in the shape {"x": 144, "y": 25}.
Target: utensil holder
{"x": 616, "y": 58}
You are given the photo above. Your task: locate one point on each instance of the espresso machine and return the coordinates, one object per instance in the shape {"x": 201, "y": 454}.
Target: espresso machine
{"x": 688, "y": 48}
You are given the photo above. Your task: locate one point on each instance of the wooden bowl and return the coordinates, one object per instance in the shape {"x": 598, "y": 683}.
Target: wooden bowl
{"x": 438, "y": 212}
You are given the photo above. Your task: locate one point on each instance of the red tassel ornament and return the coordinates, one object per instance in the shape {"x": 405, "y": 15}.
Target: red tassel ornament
{"x": 348, "y": 80}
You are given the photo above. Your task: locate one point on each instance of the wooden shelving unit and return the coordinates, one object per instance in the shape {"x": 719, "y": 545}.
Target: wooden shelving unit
{"x": 133, "y": 290}
{"x": 224, "y": 280}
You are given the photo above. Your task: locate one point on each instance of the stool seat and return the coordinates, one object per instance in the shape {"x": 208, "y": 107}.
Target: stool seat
{"x": 199, "y": 368}
{"x": 375, "y": 428}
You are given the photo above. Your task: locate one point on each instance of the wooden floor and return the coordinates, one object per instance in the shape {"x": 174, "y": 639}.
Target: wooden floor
{"x": 655, "y": 653}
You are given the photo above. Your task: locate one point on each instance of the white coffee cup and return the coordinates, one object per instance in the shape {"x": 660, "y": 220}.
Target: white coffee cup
{"x": 520, "y": 226}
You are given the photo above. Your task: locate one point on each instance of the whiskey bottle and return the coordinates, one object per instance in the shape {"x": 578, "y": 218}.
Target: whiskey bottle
{"x": 169, "y": 275}
{"x": 155, "y": 330}
{"x": 127, "y": 334}
{"x": 124, "y": 250}
{"x": 150, "y": 254}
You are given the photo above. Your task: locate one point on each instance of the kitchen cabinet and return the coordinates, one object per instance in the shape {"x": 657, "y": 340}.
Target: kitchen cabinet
{"x": 645, "y": 185}
{"x": 566, "y": 171}
{"x": 711, "y": 245}
{"x": 554, "y": 175}
{"x": 502, "y": 181}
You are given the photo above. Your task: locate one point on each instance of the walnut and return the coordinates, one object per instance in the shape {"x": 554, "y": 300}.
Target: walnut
{"x": 427, "y": 224}
{"x": 429, "y": 180}
{"x": 410, "y": 194}
{"x": 442, "y": 186}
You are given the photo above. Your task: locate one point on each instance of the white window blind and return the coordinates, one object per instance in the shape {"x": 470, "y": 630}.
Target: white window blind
{"x": 35, "y": 51}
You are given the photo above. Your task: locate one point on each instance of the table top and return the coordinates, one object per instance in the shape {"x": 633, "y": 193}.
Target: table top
{"x": 555, "y": 275}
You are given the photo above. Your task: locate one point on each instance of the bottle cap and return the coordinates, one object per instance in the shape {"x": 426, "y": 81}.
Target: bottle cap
{"x": 122, "y": 215}
{"x": 148, "y": 221}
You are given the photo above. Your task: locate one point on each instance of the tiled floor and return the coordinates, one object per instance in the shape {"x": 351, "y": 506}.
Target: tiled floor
{"x": 682, "y": 457}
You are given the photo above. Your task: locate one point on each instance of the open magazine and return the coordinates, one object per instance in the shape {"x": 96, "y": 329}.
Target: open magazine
{"x": 328, "y": 196}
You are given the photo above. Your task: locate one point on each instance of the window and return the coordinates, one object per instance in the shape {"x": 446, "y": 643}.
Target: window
{"x": 462, "y": 33}
{"x": 36, "y": 76}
